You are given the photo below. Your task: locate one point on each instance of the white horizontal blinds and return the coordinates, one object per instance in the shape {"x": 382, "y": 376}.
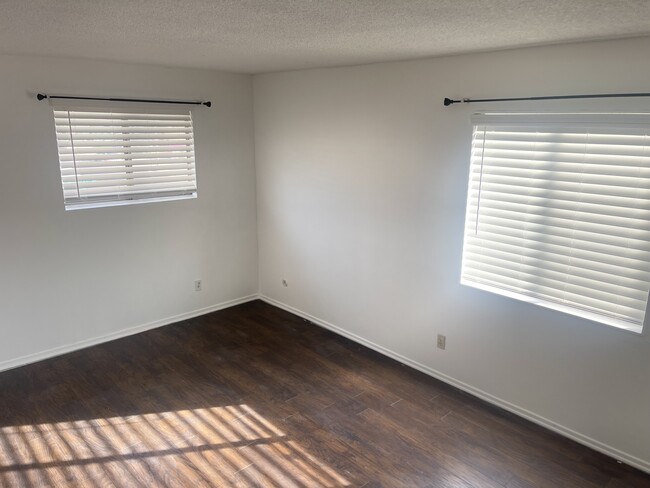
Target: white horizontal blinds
{"x": 559, "y": 210}
{"x": 116, "y": 155}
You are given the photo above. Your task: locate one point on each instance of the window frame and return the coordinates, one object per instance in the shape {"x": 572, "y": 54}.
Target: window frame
{"x": 151, "y": 167}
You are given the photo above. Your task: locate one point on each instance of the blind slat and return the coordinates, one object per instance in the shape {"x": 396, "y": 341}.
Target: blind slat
{"x": 68, "y": 172}
{"x": 532, "y": 270}
{"x": 589, "y": 250}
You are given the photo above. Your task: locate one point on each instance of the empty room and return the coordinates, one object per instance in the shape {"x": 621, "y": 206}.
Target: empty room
{"x": 299, "y": 243}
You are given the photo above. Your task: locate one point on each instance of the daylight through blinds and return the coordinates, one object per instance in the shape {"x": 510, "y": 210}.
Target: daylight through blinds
{"x": 108, "y": 156}
{"x": 559, "y": 212}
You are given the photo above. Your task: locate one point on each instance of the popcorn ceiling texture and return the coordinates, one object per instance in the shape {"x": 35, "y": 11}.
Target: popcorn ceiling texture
{"x": 254, "y": 36}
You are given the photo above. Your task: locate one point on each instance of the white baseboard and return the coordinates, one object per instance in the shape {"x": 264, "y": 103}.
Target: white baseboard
{"x": 57, "y": 351}
{"x": 522, "y": 412}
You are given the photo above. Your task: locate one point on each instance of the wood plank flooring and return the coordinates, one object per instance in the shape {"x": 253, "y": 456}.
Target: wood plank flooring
{"x": 255, "y": 396}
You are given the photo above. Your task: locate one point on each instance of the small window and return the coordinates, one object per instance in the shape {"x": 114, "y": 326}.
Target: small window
{"x": 115, "y": 157}
{"x": 558, "y": 213}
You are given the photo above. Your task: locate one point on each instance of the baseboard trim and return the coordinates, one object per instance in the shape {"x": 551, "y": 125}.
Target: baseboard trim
{"x": 57, "y": 351}
{"x": 510, "y": 407}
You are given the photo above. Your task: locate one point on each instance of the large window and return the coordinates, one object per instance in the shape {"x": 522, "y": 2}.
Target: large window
{"x": 114, "y": 157}
{"x": 558, "y": 213}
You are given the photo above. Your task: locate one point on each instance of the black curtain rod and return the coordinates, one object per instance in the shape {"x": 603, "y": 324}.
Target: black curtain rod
{"x": 41, "y": 96}
{"x": 449, "y": 101}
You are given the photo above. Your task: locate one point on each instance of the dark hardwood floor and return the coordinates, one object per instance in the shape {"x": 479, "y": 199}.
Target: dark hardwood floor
{"x": 255, "y": 396}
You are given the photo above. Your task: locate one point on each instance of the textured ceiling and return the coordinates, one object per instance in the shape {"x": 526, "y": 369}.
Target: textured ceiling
{"x": 254, "y": 36}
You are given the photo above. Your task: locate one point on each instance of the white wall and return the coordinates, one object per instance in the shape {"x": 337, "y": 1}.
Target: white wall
{"x": 362, "y": 178}
{"x": 73, "y": 277}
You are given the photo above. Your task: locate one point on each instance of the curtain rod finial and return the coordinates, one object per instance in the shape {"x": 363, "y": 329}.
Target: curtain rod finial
{"x": 40, "y": 97}
{"x": 208, "y": 104}
{"x": 449, "y": 101}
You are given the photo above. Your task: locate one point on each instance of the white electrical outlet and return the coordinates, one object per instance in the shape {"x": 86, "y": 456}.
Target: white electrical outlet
{"x": 198, "y": 285}
{"x": 442, "y": 341}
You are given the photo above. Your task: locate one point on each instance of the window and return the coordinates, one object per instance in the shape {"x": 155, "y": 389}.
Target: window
{"x": 115, "y": 157}
{"x": 558, "y": 213}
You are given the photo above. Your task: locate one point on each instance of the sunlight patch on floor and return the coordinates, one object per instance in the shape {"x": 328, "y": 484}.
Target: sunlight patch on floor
{"x": 220, "y": 446}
